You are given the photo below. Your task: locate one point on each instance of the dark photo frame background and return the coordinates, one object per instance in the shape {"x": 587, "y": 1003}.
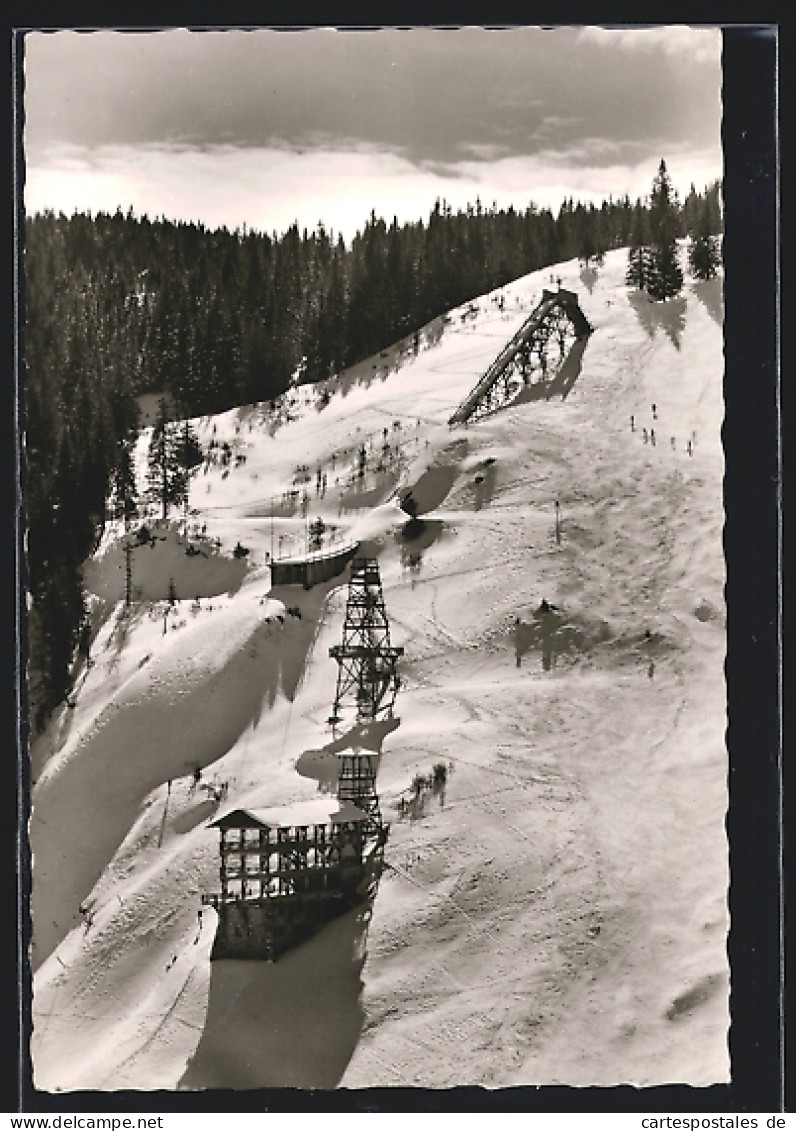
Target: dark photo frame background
{"x": 753, "y": 449}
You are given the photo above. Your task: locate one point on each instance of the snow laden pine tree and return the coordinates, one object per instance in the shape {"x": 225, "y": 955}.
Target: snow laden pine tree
{"x": 704, "y": 256}
{"x": 124, "y": 491}
{"x": 188, "y": 449}
{"x": 638, "y": 253}
{"x": 167, "y": 476}
{"x": 665, "y": 276}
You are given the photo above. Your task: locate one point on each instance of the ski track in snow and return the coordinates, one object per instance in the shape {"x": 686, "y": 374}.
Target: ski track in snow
{"x": 558, "y": 913}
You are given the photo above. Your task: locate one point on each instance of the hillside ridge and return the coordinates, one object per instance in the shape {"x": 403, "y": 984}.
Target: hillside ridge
{"x": 557, "y": 914}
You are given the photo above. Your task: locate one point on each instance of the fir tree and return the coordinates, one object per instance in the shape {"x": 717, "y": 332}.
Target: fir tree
{"x": 665, "y": 279}
{"x": 167, "y": 476}
{"x": 124, "y": 488}
{"x": 704, "y": 257}
{"x": 586, "y": 236}
{"x": 187, "y": 449}
{"x": 691, "y": 210}
{"x": 713, "y": 208}
{"x": 638, "y": 256}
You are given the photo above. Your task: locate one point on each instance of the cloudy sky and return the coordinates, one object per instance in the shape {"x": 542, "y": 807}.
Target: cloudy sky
{"x": 266, "y": 127}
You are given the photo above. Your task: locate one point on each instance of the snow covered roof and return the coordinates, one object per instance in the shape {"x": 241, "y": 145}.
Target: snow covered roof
{"x": 356, "y": 752}
{"x": 321, "y": 811}
{"x": 319, "y": 555}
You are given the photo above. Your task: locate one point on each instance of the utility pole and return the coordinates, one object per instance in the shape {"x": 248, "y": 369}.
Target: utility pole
{"x": 558, "y": 524}
{"x": 128, "y": 573}
{"x": 307, "y": 548}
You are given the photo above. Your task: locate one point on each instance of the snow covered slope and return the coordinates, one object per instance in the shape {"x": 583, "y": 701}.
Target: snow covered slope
{"x": 558, "y": 913}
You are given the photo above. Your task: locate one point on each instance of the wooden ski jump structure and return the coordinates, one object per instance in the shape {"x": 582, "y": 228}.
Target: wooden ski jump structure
{"x": 556, "y": 321}
{"x": 285, "y": 871}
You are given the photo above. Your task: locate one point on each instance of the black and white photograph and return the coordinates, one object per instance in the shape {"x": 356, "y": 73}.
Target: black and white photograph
{"x": 376, "y": 581}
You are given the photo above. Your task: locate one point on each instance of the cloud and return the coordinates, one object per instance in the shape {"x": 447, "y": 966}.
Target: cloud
{"x": 483, "y": 151}
{"x": 269, "y": 188}
{"x": 698, "y": 44}
{"x": 554, "y": 126}
{"x": 595, "y": 153}
{"x": 266, "y": 189}
{"x": 428, "y": 94}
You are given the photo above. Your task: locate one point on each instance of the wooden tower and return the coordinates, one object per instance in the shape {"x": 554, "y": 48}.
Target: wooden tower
{"x": 285, "y": 871}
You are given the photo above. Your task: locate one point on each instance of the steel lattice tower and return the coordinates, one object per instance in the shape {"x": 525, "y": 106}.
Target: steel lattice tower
{"x": 366, "y": 677}
{"x": 366, "y": 680}
{"x": 357, "y": 785}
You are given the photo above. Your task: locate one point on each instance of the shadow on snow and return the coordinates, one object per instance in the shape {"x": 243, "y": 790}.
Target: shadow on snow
{"x": 668, "y": 316}
{"x": 290, "y": 1024}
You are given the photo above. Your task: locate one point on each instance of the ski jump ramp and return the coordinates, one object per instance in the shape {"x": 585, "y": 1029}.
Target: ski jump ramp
{"x": 556, "y": 321}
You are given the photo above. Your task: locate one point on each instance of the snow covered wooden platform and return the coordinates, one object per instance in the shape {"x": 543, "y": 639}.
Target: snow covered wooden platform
{"x": 312, "y": 568}
{"x": 283, "y": 872}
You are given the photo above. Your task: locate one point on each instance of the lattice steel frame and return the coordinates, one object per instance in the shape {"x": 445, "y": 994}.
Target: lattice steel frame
{"x": 357, "y": 785}
{"x": 366, "y": 674}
